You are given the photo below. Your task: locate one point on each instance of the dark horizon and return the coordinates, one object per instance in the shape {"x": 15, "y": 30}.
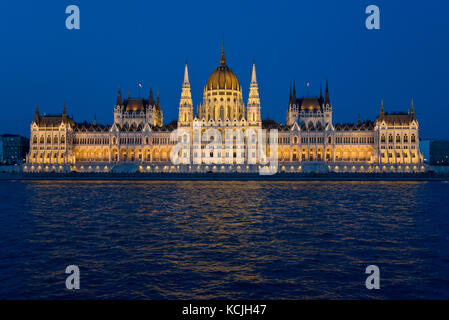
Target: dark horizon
{"x": 149, "y": 42}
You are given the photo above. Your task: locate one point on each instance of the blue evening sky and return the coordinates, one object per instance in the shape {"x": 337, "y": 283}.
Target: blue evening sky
{"x": 149, "y": 41}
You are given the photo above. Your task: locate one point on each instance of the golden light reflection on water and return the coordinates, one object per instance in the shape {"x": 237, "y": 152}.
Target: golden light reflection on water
{"x": 211, "y": 239}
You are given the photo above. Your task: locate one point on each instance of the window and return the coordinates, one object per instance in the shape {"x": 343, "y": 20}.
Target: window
{"x": 413, "y": 138}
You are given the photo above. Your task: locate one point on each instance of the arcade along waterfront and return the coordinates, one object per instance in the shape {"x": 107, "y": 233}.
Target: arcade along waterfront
{"x": 226, "y": 239}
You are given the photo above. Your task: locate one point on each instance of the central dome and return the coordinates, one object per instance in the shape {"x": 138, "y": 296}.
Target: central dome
{"x": 223, "y": 77}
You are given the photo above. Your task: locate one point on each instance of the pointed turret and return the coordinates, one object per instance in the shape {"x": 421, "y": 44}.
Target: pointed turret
{"x": 95, "y": 119}
{"x": 185, "y": 116}
{"x": 36, "y": 115}
{"x": 186, "y": 96}
{"x": 129, "y": 94}
{"x": 253, "y": 110}
{"x": 158, "y": 101}
{"x": 253, "y": 74}
{"x": 151, "y": 97}
{"x": 186, "y": 75}
{"x": 294, "y": 93}
{"x": 223, "y": 57}
{"x": 119, "y": 96}
{"x": 358, "y": 121}
{"x": 254, "y": 88}
{"x": 327, "y": 100}
{"x": 412, "y": 111}
{"x": 382, "y": 113}
{"x": 64, "y": 114}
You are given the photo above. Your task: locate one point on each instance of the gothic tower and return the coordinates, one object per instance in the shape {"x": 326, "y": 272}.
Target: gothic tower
{"x": 293, "y": 109}
{"x": 253, "y": 107}
{"x": 185, "y": 104}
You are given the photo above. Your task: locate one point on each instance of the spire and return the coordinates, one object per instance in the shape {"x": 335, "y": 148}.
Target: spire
{"x": 253, "y": 74}
{"x": 186, "y": 74}
{"x": 158, "y": 101}
{"x": 327, "y": 100}
{"x": 412, "y": 111}
{"x": 294, "y": 92}
{"x": 358, "y": 121}
{"x": 186, "y": 95}
{"x": 185, "y": 103}
{"x": 64, "y": 114}
{"x": 119, "y": 95}
{"x": 290, "y": 97}
{"x": 36, "y": 114}
{"x": 382, "y": 108}
{"x": 223, "y": 57}
{"x": 151, "y": 98}
{"x": 95, "y": 119}
{"x": 254, "y": 99}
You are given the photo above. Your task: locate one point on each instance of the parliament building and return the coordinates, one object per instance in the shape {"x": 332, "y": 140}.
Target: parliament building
{"x": 309, "y": 141}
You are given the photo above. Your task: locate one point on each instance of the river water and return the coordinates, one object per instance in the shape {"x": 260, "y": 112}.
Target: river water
{"x": 224, "y": 240}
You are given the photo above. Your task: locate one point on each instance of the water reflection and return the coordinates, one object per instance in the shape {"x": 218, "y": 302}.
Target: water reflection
{"x": 208, "y": 240}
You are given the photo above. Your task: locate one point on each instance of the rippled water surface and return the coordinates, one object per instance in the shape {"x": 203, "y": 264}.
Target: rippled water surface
{"x": 213, "y": 240}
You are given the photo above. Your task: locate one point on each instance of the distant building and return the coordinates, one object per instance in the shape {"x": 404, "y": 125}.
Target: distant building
{"x": 13, "y": 149}
{"x": 439, "y": 152}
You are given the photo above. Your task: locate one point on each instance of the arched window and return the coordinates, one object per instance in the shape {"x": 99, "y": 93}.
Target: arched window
{"x": 295, "y": 140}
{"x": 413, "y": 139}
{"x": 405, "y": 138}
{"x": 35, "y": 139}
{"x": 41, "y": 140}
{"x": 398, "y": 139}
{"x": 329, "y": 140}
{"x": 48, "y": 139}
{"x": 55, "y": 140}
{"x": 390, "y": 138}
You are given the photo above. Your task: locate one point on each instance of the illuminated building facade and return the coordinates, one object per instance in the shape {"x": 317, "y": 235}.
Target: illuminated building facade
{"x": 308, "y": 141}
